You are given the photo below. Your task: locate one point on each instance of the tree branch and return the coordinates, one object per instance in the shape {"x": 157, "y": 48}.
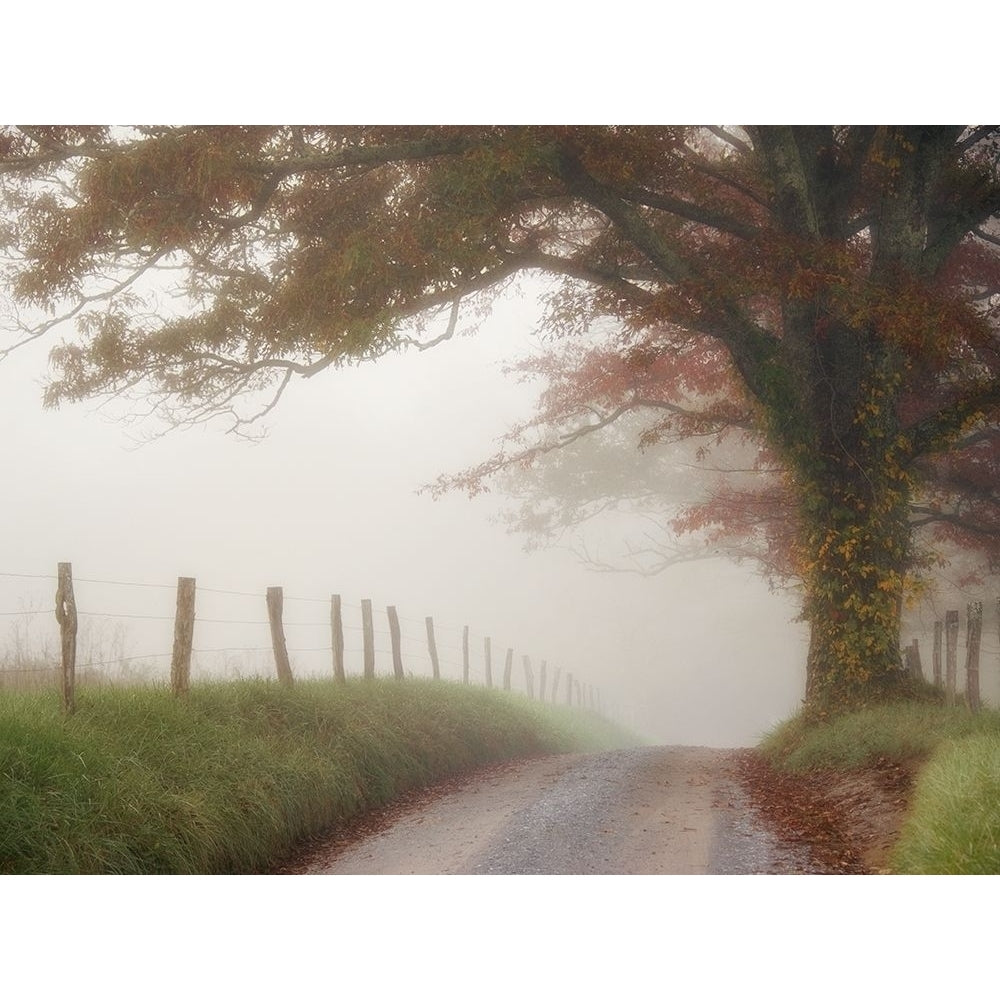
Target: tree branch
{"x": 447, "y": 335}
{"x": 613, "y": 281}
{"x": 33, "y": 333}
{"x": 731, "y": 140}
{"x": 929, "y": 515}
{"x": 632, "y": 226}
{"x": 691, "y": 212}
{"x": 937, "y": 430}
{"x": 367, "y": 156}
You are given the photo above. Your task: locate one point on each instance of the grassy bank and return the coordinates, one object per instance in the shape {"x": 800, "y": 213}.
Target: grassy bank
{"x": 953, "y": 825}
{"x": 230, "y": 778}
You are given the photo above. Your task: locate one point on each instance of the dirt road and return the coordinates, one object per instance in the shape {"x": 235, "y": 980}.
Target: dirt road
{"x": 650, "y": 811}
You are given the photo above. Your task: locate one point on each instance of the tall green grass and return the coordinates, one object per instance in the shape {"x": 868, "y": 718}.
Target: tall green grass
{"x": 897, "y": 731}
{"x": 230, "y": 778}
{"x": 953, "y": 824}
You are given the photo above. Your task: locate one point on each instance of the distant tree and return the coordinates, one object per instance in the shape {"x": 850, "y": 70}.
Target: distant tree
{"x": 698, "y": 482}
{"x": 613, "y": 436}
{"x": 844, "y": 277}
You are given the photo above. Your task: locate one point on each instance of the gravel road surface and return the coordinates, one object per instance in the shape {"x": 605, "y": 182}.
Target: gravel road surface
{"x": 649, "y": 811}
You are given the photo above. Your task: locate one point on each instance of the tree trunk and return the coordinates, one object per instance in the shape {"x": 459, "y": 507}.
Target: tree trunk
{"x": 855, "y": 559}
{"x": 849, "y": 465}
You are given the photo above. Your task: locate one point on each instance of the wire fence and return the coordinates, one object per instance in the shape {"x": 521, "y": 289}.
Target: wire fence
{"x": 127, "y": 632}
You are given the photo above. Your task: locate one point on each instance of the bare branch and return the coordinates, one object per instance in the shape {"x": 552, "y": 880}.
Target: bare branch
{"x": 279, "y": 364}
{"x": 731, "y": 140}
{"x": 266, "y": 409}
{"x": 447, "y": 335}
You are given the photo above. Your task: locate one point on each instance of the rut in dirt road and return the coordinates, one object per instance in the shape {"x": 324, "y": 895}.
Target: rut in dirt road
{"x": 649, "y": 811}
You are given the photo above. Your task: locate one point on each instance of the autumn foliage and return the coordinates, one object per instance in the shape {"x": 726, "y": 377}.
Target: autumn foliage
{"x": 830, "y": 292}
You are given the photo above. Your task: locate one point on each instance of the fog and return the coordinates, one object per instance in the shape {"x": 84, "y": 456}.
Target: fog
{"x": 329, "y": 502}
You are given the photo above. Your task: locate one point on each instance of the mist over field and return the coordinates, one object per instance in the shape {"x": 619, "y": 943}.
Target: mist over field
{"x": 328, "y": 502}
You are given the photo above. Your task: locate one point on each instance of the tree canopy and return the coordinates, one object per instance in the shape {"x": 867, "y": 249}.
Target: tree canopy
{"x": 832, "y": 288}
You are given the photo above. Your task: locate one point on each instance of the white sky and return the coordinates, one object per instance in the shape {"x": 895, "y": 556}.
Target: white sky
{"x": 328, "y": 503}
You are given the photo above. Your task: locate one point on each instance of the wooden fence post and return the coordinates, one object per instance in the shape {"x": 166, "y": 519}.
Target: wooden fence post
{"x": 488, "y": 658}
{"x": 432, "y": 648}
{"x": 541, "y": 682}
{"x": 337, "y": 638}
{"x": 973, "y": 638}
{"x": 555, "y": 683}
{"x": 275, "y": 605}
{"x": 368, "y": 636}
{"x": 397, "y": 655}
{"x": 529, "y": 677}
{"x": 180, "y": 661}
{"x": 507, "y": 667}
{"x": 67, "y": 617}
{"x": 465, "y": 654}
{"x": 938, "y": 630}
{"x": 911, "y": 658}
{"x": 951, "y": 655}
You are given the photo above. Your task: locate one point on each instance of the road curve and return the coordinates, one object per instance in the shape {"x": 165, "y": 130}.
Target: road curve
{"x": 648, "y": 811}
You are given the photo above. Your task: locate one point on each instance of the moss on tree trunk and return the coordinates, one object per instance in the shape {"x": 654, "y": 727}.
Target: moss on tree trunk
{"x": 854, "y": 590}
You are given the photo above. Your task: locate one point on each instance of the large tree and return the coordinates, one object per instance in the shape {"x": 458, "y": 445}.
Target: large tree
{"x": 846, "y": 275}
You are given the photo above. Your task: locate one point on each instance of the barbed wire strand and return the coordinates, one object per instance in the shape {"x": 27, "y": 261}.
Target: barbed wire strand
{"x": 439, "y": 626}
